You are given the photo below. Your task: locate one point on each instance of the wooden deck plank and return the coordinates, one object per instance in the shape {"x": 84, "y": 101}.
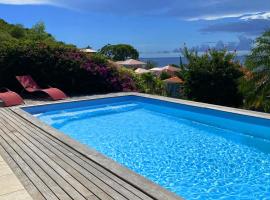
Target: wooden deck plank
{"x": 42, "y": 187}
{"x": 80, "y": 188}
{"x": 78, "y": 163}
{"x": 68, "y": 164}
{"x": 57, "y": 174}
{"x": 27, "y": 183}
{"x": 31, "y": 161}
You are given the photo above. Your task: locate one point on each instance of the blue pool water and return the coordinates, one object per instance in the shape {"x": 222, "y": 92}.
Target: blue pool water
{"x": 196, "y": 153}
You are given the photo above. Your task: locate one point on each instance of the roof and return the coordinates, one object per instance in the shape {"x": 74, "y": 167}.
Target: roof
{"x": 141, "y": 71}
{"x": 174, "y": 79}
{"x": 131, "y": 62}
{"x": 166, "y": 68}
{"x": 156, "y": 69}
{"x": 171, "y": 68}
{"x": 88, "y": 50}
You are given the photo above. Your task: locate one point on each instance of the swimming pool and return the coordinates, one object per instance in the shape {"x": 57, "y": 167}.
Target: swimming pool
{"x": 196, "y": 152}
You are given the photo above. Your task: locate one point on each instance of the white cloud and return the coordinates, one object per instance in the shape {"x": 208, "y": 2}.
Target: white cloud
{"x": 263, "y": 15}
{"x": 242, "y": 16}
{"x": 26, "y": 2}
{"x": 191, "y": 10}
{"x": 215, "y": 17}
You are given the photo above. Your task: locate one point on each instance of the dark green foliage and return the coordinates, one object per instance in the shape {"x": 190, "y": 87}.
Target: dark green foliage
{"x": 99, "y": 59}
{"x": 18, "y": 31}
{"x": 38, "y": 33}
{"x": 120, "y": 52}
{"x": 164, "y": 75}
{"x": 148, "y": 83}
{"x": 150, "y": 64}
{"x": 212, "y": 78}
{"x": 180, "y": 74}
{"x": 256, "y": 84}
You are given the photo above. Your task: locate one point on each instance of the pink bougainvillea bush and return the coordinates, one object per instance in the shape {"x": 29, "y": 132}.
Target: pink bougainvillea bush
{"x": 60, "y": 66}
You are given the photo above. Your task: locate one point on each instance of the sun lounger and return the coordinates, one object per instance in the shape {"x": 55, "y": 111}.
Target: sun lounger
{"x": 10, "y": 98}
{"x": 31, "y": 86}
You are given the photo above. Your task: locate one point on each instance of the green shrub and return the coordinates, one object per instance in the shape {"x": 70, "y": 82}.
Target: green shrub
{"x": 148, "y": 83}
{"x": 212, "y": 78}
{"x": 164, "y": 75}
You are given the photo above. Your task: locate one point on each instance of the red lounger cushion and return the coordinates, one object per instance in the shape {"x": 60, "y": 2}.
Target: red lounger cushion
{"x": 55, "y": 93}
{"x": 10, "y": 98}
{"x": 31, "y": 86}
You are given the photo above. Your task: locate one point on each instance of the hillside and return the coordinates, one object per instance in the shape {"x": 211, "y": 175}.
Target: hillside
{"x": 18, "y": 33}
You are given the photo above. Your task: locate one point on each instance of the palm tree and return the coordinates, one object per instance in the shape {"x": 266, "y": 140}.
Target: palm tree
{"x": 256, "y": 86}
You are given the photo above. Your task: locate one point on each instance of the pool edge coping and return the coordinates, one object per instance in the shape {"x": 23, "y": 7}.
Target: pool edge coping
{"x": 226, "y": 109}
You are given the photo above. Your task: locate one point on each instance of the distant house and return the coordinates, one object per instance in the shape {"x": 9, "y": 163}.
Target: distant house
{"x": 174, "y": 80}
{"x": 168, "y": 69}
{"x": 132, "y": 64}
{"x": 174, "y": 87}
{"x": 157, "y": 70}
{"x": 90, "y": 51}
{"x": 141, "y": 71}
{"x": 171, "y": 70}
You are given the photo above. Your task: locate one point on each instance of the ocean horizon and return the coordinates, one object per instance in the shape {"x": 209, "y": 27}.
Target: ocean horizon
{"x": 163, "y": 61}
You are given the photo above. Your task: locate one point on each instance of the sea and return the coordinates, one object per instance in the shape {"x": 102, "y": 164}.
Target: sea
{"x": 163, "y": 61}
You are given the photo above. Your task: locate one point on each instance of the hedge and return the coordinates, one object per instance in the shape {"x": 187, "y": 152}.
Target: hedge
{"x": 59, "y": 66}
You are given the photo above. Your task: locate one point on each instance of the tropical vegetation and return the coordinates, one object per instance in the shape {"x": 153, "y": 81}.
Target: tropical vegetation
{"x": 212, "y": 77}
{"x": 119, "y": 52}
{"x": 255, "y": 86}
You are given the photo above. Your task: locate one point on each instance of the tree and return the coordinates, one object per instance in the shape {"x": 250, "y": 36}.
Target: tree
{"x": 255, "y": 86}
{"x": 150, "y": 84}
{"x": 120, "y": 52}
{"x": 150, "y": 64}
{"x": 88, "y": 47}
{"x": 164, "y": 75}
{"x": 212, "y": 78}
{"x": 18, "y": 31}
{"x": 38, "y": 33}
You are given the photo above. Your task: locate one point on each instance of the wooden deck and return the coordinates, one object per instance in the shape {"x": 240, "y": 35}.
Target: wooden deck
{"x": 51, "y": 167}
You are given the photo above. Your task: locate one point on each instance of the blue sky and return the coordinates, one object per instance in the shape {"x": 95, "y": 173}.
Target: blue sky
{"x": 155, "y": 27}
